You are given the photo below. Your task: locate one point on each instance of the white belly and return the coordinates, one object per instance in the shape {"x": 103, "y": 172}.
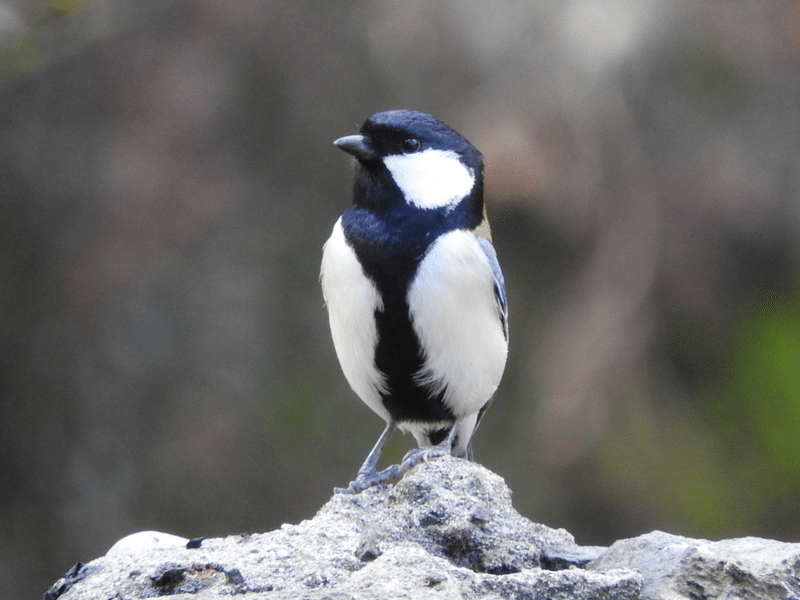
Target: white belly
{"x": 455, "y": 315}
{"x": 352, "y": 299}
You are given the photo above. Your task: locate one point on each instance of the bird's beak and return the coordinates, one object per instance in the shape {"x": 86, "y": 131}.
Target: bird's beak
{"x": 358, "y": 145}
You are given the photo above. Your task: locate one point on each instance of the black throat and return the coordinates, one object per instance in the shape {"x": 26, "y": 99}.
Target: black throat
{"x": 390, "y": 239}
{"x": 389, "y": 253}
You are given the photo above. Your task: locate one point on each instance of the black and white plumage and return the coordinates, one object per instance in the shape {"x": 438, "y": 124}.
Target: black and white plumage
{"x": 415, "y": 295}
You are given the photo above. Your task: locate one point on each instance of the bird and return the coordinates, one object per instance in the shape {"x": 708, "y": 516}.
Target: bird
{"x": 415, "y": 295}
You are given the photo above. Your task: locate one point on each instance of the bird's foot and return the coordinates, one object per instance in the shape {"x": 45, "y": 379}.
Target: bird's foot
{"x": 368, "y": 478}
{"x": 418, "y": 455}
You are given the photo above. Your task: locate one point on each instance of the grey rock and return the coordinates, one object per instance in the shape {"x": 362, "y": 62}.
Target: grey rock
{"x": 446, "y": 530}
{"x": 677, "y": 567}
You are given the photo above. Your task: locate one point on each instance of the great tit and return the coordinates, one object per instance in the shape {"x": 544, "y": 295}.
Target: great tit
{"x": 414, "y": 291}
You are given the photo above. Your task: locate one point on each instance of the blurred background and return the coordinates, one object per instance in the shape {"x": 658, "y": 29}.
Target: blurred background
{"x": 167, "y": 180}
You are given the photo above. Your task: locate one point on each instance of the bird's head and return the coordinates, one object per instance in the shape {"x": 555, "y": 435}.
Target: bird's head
{"x": 409, "y": 157}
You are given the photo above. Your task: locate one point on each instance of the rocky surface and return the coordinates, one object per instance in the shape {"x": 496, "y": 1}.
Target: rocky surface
{"x": 677, "y": 567}
{"x": 446, "y": 530}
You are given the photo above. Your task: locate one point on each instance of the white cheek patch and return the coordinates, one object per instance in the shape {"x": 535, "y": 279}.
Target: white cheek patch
{"x": 431, "y": 178}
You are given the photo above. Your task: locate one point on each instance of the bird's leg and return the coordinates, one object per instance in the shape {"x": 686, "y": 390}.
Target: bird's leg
{"x": 469, "y": 456}
{"x": 367, "y": 475}
{"x": 418, "y": 455}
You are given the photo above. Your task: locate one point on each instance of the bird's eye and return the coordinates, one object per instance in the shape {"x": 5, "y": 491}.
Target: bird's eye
{"x": 410, "y": 145}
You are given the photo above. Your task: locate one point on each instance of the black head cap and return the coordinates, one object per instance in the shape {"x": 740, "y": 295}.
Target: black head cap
{"x": 404, "y": 131}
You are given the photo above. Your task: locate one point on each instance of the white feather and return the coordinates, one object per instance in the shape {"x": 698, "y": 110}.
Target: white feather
{"x": 457, "y": 318}
{"x": 422, "y": 431}
{"x": 352, "y": 300}
{"x": 431, "y": 178}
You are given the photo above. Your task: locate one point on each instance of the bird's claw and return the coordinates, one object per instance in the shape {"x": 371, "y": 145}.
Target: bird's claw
{"x": 368, "y": 478}
{"x": 418, "y": 455}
